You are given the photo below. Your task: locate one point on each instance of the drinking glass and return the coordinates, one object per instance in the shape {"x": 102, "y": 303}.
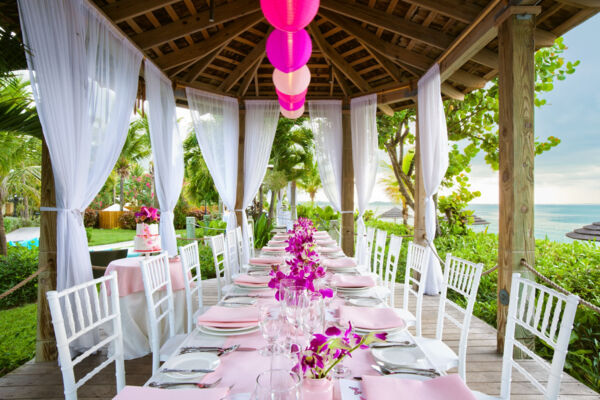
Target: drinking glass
{"x": 277, "y": 384}
{"x": 314, "y": 316}
{"x": 270, "y": 325}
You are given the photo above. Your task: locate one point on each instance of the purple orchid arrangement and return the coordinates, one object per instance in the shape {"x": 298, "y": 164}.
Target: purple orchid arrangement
{"x": 147, "y": 215}
{"x": 326, "y": 350}
{"x": 304, "y": 266}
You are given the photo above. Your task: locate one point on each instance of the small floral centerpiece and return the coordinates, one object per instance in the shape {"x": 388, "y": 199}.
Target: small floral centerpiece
{"x": 304, "y": 265}
{"x": 147, "y": 215}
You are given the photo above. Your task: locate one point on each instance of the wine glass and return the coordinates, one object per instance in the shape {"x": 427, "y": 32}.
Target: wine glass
{"x": 314, "y": 316}
{"x": 277, "y": 384}
{"x": 270, "y": 325}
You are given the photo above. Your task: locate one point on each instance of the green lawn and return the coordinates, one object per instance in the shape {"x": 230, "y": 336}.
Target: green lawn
{"x": 17, "y": 336}
{"x": 107, "y": 236}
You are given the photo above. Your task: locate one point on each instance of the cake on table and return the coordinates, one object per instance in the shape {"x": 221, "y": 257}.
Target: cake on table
{"x": 147, "y": 239}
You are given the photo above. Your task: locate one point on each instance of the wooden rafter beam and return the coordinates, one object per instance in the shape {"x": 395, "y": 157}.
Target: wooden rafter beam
{"x": 196, "y": 23}
{"x": 257, "y": 52}
{"x": 343, "y": 84}
{"x": 462, "y": 12}
{"x": 200, "y": 65}
{"x": 250, "y": 75}
{"x": 452, "y": 92}
{"x": 126, "y": 9}
{"x": 406, "y": 92}
{"x": 201, "y": 49}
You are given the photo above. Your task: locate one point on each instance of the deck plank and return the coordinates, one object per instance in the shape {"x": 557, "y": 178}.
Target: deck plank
{"x": 43, "y": 380}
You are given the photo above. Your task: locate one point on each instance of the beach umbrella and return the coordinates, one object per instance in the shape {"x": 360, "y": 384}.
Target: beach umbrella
{"x": 588, "y": 232}
{"x": 393, "y": 213}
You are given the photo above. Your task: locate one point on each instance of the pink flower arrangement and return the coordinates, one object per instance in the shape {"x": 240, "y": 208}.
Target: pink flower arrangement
{"x": 147, "y": 215}
{"x": 304, "y": 264}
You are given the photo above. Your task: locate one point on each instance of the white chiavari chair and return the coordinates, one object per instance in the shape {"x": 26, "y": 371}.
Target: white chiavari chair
{"x": 391, "y": 269}
{"x": 217, "y": 245}
{"x": 417, "y": 261}
{"x": 239, "y": 241}
{"x": 159, "y": 299}
{"x": 462, "y": 278}
{"x": 370, "y": 241}
{"x": 251, "y": 248}
{"x": 87, "y": 308}
{"x": 379, "y": 261}
{"x": 548, "y": 315}
{"x": 192, "y": 279}
{"x": 231, "y": 253}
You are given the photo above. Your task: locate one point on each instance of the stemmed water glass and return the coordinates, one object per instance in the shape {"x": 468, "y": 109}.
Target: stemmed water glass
{"x": 270, "y": 323}
{"x": 277, "y": 384}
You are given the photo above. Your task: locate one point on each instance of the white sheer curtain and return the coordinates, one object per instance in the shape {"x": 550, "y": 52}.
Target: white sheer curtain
{"x": 216, "y": 122}
{"x": 326, "y": 124}
{"x": 84, "y": 79}
{"x": 261, "y": 124}
{"x": 433, "y": 136}
{"x": 363, "y": 113}
{"x": 167, "y": 151}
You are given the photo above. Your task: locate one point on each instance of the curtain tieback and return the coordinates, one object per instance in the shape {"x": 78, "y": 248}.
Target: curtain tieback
{"x": 77, "y": 212}
{"x": 347, "y": 212}
{"x": 239, "y": 210}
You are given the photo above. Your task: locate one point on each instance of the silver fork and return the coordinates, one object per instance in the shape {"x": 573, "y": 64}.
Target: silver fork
{"x": 199, "y": 385}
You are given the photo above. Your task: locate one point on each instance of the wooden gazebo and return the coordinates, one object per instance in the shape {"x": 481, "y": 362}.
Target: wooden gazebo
{"x": 359, "y": 47}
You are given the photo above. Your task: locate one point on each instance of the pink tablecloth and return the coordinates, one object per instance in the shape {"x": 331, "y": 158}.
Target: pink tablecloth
{"x": 449, "y": 387}
{"x": 129, "y": 275}
{"x": 147, "y": 393}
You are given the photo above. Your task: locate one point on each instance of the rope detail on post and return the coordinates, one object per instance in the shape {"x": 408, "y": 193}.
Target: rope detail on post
{"x": 22, "y": 283}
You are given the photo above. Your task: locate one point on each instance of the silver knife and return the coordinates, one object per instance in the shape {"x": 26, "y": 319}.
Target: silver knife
{"x": 206, "y": 371}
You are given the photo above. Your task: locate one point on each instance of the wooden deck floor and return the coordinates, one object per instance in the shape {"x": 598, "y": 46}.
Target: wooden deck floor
{"x": 43, "y": 380}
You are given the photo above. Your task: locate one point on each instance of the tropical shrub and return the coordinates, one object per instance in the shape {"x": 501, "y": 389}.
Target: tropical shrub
{"x": 127, "y": 220}
{"x": 18, "y": 264}
{"x": 262, "y": 231}
{"x": 91, "y": 218}
{"x": 14, "y": 223}
{"x": 321, "y": 216}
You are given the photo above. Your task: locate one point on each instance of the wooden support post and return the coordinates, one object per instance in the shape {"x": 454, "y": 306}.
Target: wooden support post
{"x": 240, "y": 170}
{"x": 347, "y": 186}
{"x": 516, "y": 144}
{"x": 45, "y": 347}
{"x": 420, "y": 231}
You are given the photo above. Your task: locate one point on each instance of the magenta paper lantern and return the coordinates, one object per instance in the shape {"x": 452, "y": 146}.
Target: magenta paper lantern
{"x": 291, "y": 106}
{"x": 292, "y": 114}
{"x": 289, "y": 15}
{"x": 288, "y": 51}
{"x": 291, "y": 98}
{"x": 292, "y": 82}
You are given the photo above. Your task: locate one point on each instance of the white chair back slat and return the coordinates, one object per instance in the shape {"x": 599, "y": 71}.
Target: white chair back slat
{"x": 251, "y": 240}
{"x": 192, "y": 279}
{"x": 231, "y": 255}
{"x": 217, "y": 245}
{"x": 159, "y": 299}
{"x": 380, "y": 240}
{"x": 462, "y": 277}
{"x": 532, "y": 306}
{"x": 370, "y": 241}
{"x": 88, "y": 320}
{"x": 416, "y": 262}
{"x": 239, "y": 239}
{"x": 391, "y": 267}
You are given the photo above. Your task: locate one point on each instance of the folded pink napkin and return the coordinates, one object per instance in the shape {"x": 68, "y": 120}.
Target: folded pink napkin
{"x": 276, "y": 243}
{"x": 326, "y": 242}
{"x": 228, "y": 317}
{"x": 328, "y": 249}
{"x": 147, "y": 393}
{"x": 449, "y": 387}
{"x": 280, "y": 236}
{"x": 371, "y": 318}
{"x": 352, "y": 281}
{"x": 251, "y": 280}
{"x": 334, "y": 263}
{"x": 267, "y": 260}
{"x": 271, "y": 249}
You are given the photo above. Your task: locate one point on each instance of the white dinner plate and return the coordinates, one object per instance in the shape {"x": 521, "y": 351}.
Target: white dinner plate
{"x": 396, "y": 357}
{"x": 390, "y": 331}
{"x": 210, "y": 331}
{"x": 352, "y": 290}
{"x": 238, "y": 301}
{"x": 365, "y": 302}
{"x": 225, "y": 330}
{"x": 191, "y": 361}
{"x": 252, "y": 287}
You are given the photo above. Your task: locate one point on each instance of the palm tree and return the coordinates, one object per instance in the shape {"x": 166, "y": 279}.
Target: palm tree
{"x": 310, "y": 181}
{"x": 135, "y": 149}
{"x": 199, "y": 184}
{"x": 390, "y": 186}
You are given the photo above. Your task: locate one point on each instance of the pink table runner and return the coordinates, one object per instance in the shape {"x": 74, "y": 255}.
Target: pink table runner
{"x": 129, "y": 275}
{"x": 147, "y": 393}
{"x": 449, "y": 387}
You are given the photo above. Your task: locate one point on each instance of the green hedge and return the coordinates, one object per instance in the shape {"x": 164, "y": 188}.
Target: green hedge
{"x": 16, "y": 266}
{"x": 14, "y": 223}
{"x": 17, "y": 336}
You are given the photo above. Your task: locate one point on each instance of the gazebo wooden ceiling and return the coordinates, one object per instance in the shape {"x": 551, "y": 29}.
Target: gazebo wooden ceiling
{"x": 362, "y": 46}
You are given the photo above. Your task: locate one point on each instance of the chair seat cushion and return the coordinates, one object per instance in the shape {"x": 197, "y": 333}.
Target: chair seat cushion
{"x": 171, "y": 346}
{"x": 442, "y": 356}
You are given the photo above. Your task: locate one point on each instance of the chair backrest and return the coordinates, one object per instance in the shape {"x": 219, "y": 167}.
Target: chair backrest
{"x": 250, "y": 240}
{"x": 85, "y": 308}
{"x": 378, "y": 263}
{"x": 156, "y": 274}
{"x": 417, "y": 262}
{"x": 462, "y": 277}
{"x": 231, "y": 253}
{"x": 217, "y": 245}
{"x": 239, "y": 240}
{"x": 192, "y": 279}
{"x": 370, "y": 241}
{"x": 547, "y": 314}
{"x": 391, "y": 267}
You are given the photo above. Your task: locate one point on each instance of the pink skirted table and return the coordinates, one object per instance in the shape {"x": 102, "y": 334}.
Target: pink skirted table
{"x": 134, "y": 310}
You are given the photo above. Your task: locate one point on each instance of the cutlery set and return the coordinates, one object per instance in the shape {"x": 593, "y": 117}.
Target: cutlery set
{"x": 383, "y": 370}
{"x": 221, "y": 351}
{"x": 164, "y": 385}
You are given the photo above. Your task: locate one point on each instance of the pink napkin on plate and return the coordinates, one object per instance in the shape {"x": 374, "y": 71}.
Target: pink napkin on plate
{"x": 228, "y": 317}
{"x": 449, "y": 387}
{"x": 275, "y": 243}
{"x": 326, "y": 242}
{"x": 251, "y": 280}
{"x": 334, "y": 263}
{"x": 371, "y": 317}
{"x": 148, "y": 393}
{"x": 267, "y": 260}
{"x": 352, "y": 281}
{"x": 273, "y": 249}
{"x": 334, "y": 249}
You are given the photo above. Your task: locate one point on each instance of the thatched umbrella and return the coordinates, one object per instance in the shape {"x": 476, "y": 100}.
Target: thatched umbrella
{"x": 588, "y": 232}
{"x": 393, "y": 212}
{"x": 479, "y": 221}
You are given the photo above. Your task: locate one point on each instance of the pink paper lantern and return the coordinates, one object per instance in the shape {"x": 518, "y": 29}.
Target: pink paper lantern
{"x": 292, "y": 114}
{"x": 291, "y": 98}
{"x": 291, "y": 106}
{"x": 288, "y": 51}
{"x": 292, "y": 82}
{"x": 289, "y": 15}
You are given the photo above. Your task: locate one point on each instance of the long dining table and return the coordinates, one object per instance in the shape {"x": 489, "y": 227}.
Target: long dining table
{"x": 237, "y": 370}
